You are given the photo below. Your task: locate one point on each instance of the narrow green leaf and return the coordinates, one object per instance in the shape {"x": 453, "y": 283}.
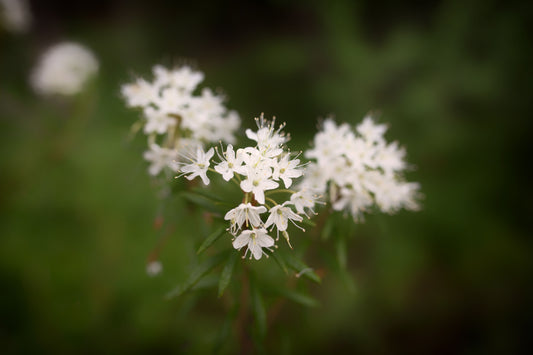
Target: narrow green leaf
{"x": 200, "y": 271}
{"x": 301, "y": 268}
{"x": 327, "y": 231}
{"x": 203, "y": 201}
{"x": 308, "y": 222}
{"x": 297, "y": 297}
{"x": 344, "y": 275}
{"x": 347, "y": 280}
{"x": 207, "y": 194}
{"x": 227, "y": 272}
{"x": 340, "y": 248}
{"x": 206, "y": 282}
{"x": 280, "y": 261}
{"x": 211, "y": 239}
{"x": 258, "y": 309}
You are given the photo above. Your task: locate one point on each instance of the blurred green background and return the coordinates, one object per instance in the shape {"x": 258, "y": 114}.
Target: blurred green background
{"x": 77, "y": 206}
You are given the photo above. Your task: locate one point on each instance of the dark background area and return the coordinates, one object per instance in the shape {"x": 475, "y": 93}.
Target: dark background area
{"x": 452, "y": 80}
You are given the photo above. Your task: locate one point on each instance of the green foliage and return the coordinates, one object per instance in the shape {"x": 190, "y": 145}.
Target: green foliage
{"x": 299, "y": 266}
{"x": 296, "y": 296}
{"x": 211, "y": 239}
{"x": 197, "y": 273}
{"x": 227, "y": 272}
{"x": 258, "y": 308}
{"x": 201, "y": 200}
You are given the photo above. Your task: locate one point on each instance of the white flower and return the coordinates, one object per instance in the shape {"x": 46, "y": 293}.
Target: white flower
{"x": 171, "y": 101}
{"x": 15, "y": 15}
{"x": 184, "y": 78}
{"x": 159, "y": 158}
{"x": 63, "y": 69}
{"x": 154, "y": 268}
{"x": 255, "y": 240}
{"x": 140, "y": 93}
{"x": 280, "y": 215}
{"x": 257, "y": 181}
{"x": 286, "y": 170}
{"x": 394, "y": 195}
{"x": 370, "y": 131}
{"x": 361, "y": 169}
{"x": 157, "y": 121}
{"x": 303, "y": 199}
{"x": 232, "y": 163}
{"x": 172, "y": 110}
{"x": 198, "y": 165}
{"x": 391, "y": 158}
{"x": 269, "y": 141}
{"x": 245, "y": 214}
{"x": 356, "y": 201}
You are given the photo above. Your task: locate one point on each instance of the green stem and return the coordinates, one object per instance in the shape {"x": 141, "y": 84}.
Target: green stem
{"x": 271, "y": 200}
{"x": 280, "y": 191}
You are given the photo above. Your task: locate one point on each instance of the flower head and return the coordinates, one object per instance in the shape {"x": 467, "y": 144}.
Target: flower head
{"x": 231, "y": 163}
{"x": 198, "y": 165}
{"x": 172, "y": 112}
{"x": 245, "y": 214}
{"x": 258, "y": 170}
{"x": 64, "y": 69}
{"x": 361, "y": 169}
{"x": 257, "y": 182}
{"x": 159, "y": 158}
{"x": 255, "y": 240}
{"x": 280, "y": 215}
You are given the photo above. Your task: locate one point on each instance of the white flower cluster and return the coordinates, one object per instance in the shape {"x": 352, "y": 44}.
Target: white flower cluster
{"x": 174, "y": 118}
{"x": 258, "y": 171}
{"x": 64, "y": 69}
{"x": 15, "y": 15}
{"x": 362, "y": 169}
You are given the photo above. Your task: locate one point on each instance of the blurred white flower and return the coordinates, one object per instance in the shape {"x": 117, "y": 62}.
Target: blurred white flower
{"x": 305, "y": 198}
{"x": 361, "y": 169}
{"x": 160, "y": 158}
{"x": 173, "y": 113}
{"x": 139, "y": 93}
{"x": 154, "y": 268}
{"x": 157, "y": 122}
{"x": 15, "y": 15}
{"x": 64, "y": 69}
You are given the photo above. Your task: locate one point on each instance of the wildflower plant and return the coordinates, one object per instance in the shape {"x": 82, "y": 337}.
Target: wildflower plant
{"x": 268, "y": 192}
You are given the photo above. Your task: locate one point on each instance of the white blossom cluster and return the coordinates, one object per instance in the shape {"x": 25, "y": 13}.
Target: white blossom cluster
{"x": 64, "y": 69}
{"x": 174, "y": 118}
{"x": 361, "y": 168}
{"x": 259, "y": 172}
